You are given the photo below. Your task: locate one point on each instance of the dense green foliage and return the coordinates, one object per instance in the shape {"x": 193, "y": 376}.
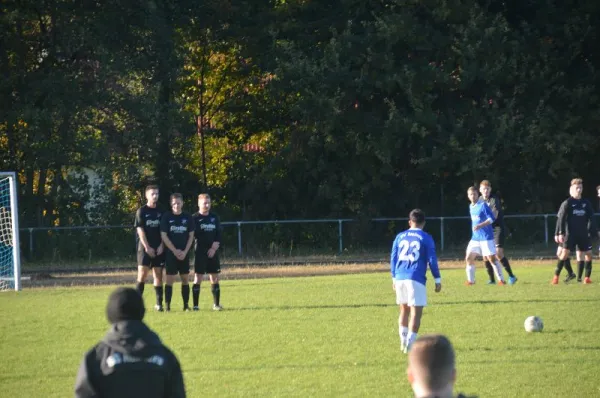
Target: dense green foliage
{"x": 296, "y": 109}
{"x": 333, "y": 336}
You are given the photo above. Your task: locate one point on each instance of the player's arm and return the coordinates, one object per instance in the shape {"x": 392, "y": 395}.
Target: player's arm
{"x": 164, "y": 229}
{"x": 168, "y": 243}
{"x": 189, "y": 244}
{"x": 393, "y": 260}
{"x": 191, "y": 235}
{"x": 141, "y": 234}
{"x": 561, "y": 222}
{"x": 433, "y": 265}
{"x": 176, "y": 387}
{"x": 494, "y": 206}
{"x": 490, "y": 218}
{"x": 217, "y": 242}
{"x": 83, "y": 384}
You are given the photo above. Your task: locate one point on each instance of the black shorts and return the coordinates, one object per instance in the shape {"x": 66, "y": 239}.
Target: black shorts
{"x": 581, "y": 243}
{"x": 205, "y": 265}
{"x": 499, "y": 236}
{"x": 144, "y": 259}
{"x": 175, "y": 266}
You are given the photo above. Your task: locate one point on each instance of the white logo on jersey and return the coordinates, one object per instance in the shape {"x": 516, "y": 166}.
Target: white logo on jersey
{"x": 578, "y": 212}
{"x": 152, "y": 223}
{"x": 208, "y": 227}
{"x": 178, "y": 229}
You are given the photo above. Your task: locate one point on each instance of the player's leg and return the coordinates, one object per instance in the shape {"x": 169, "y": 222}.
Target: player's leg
{"x": 488, "y": 250}
{"x": 199, "y": 271}
{"x": 403, "y": 325}
{"x": 196, "y": 290}
{"x": 172, "y": 271}
{"x": 143, "y": 268}
{"x": 157, "y": 274}
{"x": 588, "y": 267}
{"x": 215, "y": 289}
{"x": 499, "y": 237}
{"x": 214, "y": 269}
{"x": 402, "y": 302}
{"x": 473, "y": 250}
{"x": 580, "y": 264}
{"x": 586, "y": 247}
{"x": 569, "y": 245}
{"x": 184, "y": 274}
{"x": 417, "y": 300}
{"x": 142, "y": 275}
{"x": 490, "y": 272}
{"x": 559, "y": 265}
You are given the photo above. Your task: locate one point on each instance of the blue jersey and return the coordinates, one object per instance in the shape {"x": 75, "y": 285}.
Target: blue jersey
{"x": 412, "y": 251}
{"x": 481, "y": 212}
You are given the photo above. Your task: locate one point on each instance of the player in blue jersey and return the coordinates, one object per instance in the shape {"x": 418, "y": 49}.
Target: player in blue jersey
{"x": 482, "y": 238}
{"x": 412, "y": 252}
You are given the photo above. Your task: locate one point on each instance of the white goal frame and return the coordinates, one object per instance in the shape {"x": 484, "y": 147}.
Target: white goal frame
{"x": 14, "y": 211}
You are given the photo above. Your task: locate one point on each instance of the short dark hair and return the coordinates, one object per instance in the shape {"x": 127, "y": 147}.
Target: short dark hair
{"x": 417, "y": 216}
{"x": 125, "y": 304}
{"x": 176, "y": 195}
{"x": 149, "y": 187}
{"x": 434, "y": 358}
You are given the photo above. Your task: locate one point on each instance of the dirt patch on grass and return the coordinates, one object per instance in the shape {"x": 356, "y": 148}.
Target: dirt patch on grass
{"x": 57, "y": 279}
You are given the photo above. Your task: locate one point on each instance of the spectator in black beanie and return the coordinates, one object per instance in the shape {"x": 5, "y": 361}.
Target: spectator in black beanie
{"x": 130, "y": 361}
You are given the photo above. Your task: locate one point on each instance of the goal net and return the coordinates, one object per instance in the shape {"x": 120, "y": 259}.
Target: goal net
{"x": 10, "y": 264}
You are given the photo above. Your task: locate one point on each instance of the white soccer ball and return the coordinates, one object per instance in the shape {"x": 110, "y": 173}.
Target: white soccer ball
{"x": 534, "y": 324}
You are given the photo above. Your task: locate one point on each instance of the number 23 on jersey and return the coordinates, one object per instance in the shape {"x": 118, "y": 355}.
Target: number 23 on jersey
{"x": 409, "y": 250}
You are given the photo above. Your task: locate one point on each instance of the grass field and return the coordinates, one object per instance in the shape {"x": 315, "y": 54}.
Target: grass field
{"x": 322, "y": 336}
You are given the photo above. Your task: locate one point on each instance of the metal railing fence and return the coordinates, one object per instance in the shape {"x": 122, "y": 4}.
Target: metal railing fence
{"x": 278, "y": 237}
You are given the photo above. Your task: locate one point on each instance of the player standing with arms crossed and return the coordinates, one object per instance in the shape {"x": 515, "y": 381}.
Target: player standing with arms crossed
{"x": 413, "y": 250}
{"x": 499, "y": 232}
{"x": 150, "y": 248}
{"x": 177, "y": 231}
{"x": 575, "y": 225}
{"x": 208, "y": 241}
{"x": 482, "y": 238}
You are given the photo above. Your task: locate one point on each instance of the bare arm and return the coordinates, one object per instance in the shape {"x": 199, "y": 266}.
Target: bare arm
{"x": 167, "y": 242}
{"x": 190, "y": 242}
{"x": 144, "y": 240}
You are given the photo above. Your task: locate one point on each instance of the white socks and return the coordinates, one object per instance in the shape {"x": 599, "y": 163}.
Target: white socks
{"x": 498, "y": 270}
{"x": 403, "y": 331}
{"x": 411, "y": 339}
{"x": 471, "y": 273}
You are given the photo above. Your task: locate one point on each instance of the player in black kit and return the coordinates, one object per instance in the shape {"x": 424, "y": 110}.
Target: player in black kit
{"x": 150, "y": 249}
{"x": 177, "y": 231}
{"x": 575, "y": 225}
{"x": 208, "y": 240}
{"x": 499, "y": 232}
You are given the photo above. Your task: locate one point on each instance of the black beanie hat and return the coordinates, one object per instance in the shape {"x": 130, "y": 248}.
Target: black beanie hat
{"x": 125, "y": 304}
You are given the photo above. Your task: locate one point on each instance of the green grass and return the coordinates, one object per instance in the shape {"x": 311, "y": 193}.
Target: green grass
{"x": 322, "y": 336}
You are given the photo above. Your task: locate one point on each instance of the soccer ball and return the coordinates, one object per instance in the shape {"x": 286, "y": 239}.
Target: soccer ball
{"x": 534, "y": 324}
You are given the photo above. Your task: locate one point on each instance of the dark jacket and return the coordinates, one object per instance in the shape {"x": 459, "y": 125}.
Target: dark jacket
{"x": 130, "y": 361}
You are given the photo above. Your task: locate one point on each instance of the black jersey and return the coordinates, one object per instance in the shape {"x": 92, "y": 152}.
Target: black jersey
{"x": 576, "y": 217}
{"x": 496, "y": 206}
{"x": 178, "y": 228}
{"x": 148, "y": 218}
{"x": 208, "y": 230}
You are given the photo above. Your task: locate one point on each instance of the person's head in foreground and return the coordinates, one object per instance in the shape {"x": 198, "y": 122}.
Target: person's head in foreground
{"x": 431, "y": 368}
{"x": 125, "y": 304}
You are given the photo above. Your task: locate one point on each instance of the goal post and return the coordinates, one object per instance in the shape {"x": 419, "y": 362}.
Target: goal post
{"x": 10, "y": 253}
